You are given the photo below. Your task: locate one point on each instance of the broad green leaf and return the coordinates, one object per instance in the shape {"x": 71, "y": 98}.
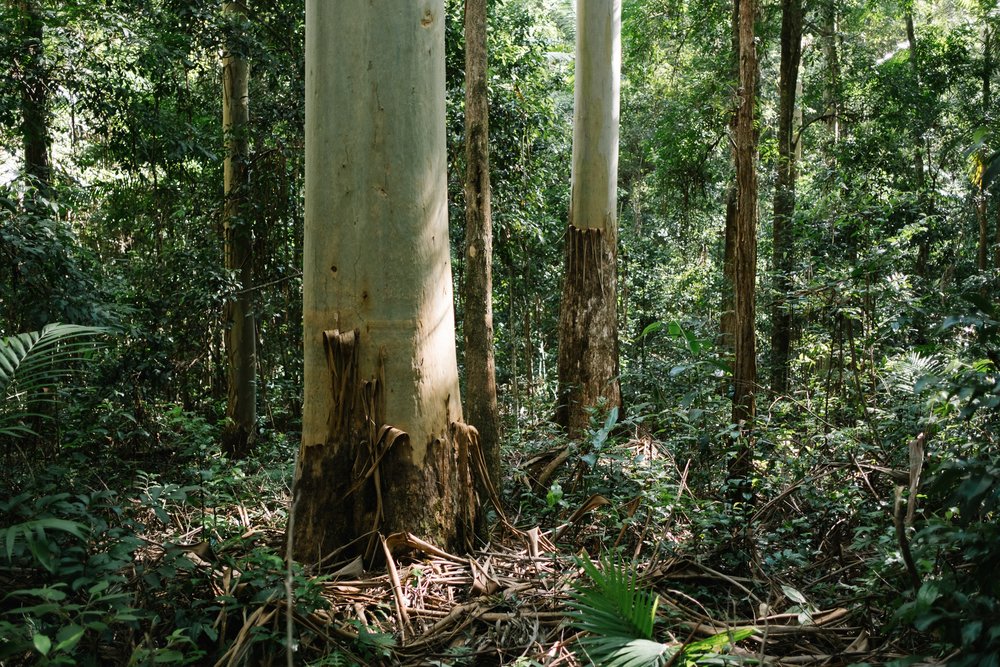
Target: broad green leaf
{"x": 651, "y": 328}
{"x": 42, "y": 643}
{"x": 69, "y": 636}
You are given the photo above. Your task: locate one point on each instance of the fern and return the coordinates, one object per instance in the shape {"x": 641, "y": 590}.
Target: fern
{"x": 31, "y": 363}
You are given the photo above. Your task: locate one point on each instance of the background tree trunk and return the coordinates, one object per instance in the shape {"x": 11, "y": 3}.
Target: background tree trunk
{"x": 383, "y": 445}
{"x": 588, "y": 328}
{"x": 34, "y": 95}
{"x": 923, "y": 238}
{"x": 480, "y": 371}
{"x": 831, "y": 52}
{"x": 784, "y": 194}
{"x": 240, "y": 331}
{"x": 982, "y": 194}
{"x": 727, "y": 317}
{"x": 745, "y": 245}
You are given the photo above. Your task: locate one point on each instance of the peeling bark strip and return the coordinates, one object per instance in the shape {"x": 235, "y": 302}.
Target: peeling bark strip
{"x": 385, "y": 491}
{"x": 588, "y": 354}
{"x": 342, "y": 361}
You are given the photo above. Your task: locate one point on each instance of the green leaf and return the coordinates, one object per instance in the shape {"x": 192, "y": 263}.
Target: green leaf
{"x": 651, "y": 328}
{"x": 49, "y": 594}
{"x": 971, "y": 632}
{"x": 718, "y": 642}
{"x": 42, "y": 643}
{"x": 69, "y": 636}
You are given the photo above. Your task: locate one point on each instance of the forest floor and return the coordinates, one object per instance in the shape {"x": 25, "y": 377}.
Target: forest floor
{"x": 185, "y": 565}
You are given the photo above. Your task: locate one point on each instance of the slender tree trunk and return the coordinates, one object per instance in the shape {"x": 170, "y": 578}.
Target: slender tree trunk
{"x": 919, "y": 180}
{"x": 982, "y": 195}
{"x": 480, "y": 371}
{"x": 982, "y": 248}
{"x": 240, "y": 332}
{"x": 34, "y": 95}
{"x": 383, "y": 445}
{"x": 588, "y": 327}
{"x": 727, "y": 318}
{"x": 784, "y": 194}
{"x": 996, "y": 241}
{"x": 797, "y": 115}
{"x": 831, "y": 51}
{"x": 745, "y": 245}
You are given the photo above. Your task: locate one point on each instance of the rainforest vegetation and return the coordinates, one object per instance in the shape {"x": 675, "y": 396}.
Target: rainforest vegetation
{"x": 482, "y": 332}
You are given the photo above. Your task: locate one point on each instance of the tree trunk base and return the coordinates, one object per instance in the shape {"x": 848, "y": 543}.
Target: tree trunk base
{"x": 365, "y": 480}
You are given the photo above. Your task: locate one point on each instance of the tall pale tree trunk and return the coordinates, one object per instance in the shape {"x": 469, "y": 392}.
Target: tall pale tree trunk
{"x": 784, "y": 194}
{"x": 383, "y": 445}
{"x": 240, "y": 332}
{"x": 480, "y": 371}
{"x": 34, "y": 94}
{"x": 745, "y": 242}
{"x": 588, "y": 327}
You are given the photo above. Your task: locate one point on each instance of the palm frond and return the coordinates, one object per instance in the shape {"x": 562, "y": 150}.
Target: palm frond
{"x": 907, "y": 373}
{"x": 31, "y": 363}
{"x": 617, "y": 616}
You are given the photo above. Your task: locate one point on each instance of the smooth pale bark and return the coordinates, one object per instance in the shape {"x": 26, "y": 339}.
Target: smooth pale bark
{"x": 34, "y": 95}
{"x": 588, "y": 328}
{"x": 240, "y": 332}
{"x": 383, "y": 445}
{"x": 784, "y": 194}
{"x": 745, "y": 242}
{"x": 480, "y": 370}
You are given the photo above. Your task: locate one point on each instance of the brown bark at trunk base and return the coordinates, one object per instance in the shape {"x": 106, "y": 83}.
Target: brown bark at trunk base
{"x": 588, "y": 354}
{"x": 363, "y": 481}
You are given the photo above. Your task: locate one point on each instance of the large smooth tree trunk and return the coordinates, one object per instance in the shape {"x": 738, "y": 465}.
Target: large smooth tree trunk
{"x": 745, "y": 242}
{"x": 383, "y": 445}
{"x": 240, "y": 332}
{"x": 588, "y": 327}
{"x": 480, "y": 371}
{"x": 34, "y": 95}
{"x": 784, "y": 194}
